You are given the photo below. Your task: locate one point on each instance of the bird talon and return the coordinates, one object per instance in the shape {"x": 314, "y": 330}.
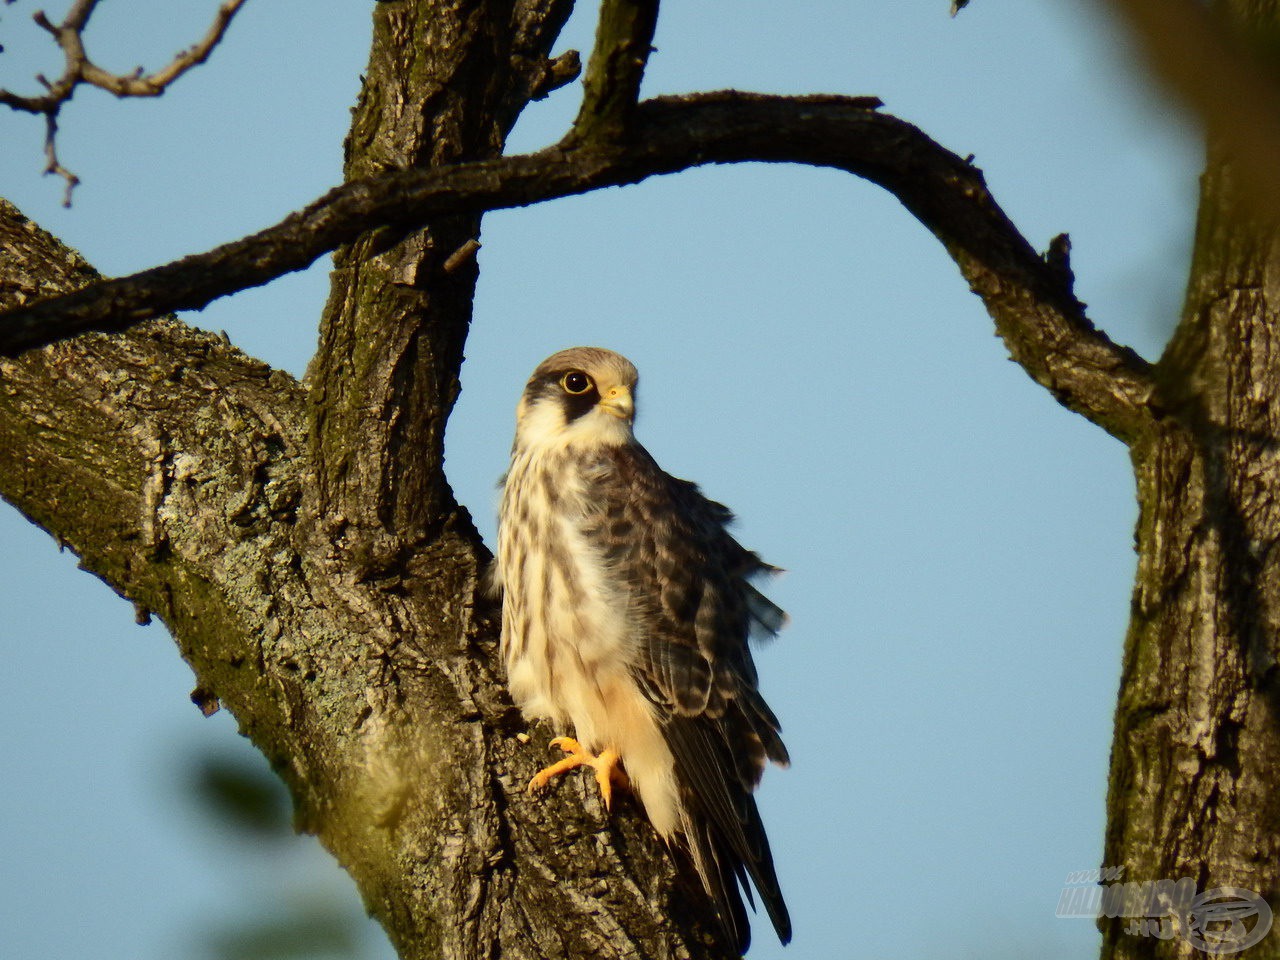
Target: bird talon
{"x": 605, "y": 765}
{"x": 608, "y": 773}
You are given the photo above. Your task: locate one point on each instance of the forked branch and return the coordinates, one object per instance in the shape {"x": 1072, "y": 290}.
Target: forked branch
{"x": 80, "y": 69}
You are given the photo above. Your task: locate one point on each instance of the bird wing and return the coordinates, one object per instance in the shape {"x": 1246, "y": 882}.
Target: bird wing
{"x": 695, "y": 608}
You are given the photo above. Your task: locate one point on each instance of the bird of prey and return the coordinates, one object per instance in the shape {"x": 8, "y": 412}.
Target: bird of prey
{"x": 627, "y": 608}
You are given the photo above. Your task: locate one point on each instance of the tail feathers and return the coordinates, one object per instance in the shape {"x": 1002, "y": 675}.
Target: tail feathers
{"x": 729, "y": 866}
{"x": 722, "y": 886}
{"x": 759, "y": 864}
{"x": 722, "y": 826}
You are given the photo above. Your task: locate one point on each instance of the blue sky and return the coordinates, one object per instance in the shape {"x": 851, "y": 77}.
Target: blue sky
{"x": 958, "y": 546}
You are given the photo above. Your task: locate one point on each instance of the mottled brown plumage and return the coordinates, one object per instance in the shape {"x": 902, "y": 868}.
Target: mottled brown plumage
{"x": 627, "y": 612}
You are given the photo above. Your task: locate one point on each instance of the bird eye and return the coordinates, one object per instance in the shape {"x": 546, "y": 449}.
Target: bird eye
{"x": 575, "y": 382}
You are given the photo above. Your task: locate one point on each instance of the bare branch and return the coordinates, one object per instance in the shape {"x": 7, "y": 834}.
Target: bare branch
{"x": 624, "y": 38}
{"x": 1030, "y": 299}
{"x": 537, "y": 24}
{"x": 154, "y": 84}
{"x": 80, "y": 69}
{"x": 78, "y": 16}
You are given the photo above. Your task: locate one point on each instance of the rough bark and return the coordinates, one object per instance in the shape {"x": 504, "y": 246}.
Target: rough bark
{"x": 1194, "y": 789}
{"x": 1195, "y": 769}
{"x": 445, "y": 82}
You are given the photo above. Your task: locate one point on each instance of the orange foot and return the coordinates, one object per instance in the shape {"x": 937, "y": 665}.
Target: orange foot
{"x": 605, "y": 765}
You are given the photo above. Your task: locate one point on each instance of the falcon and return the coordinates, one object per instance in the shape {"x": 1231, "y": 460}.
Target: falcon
{"x": 627, "y": 609}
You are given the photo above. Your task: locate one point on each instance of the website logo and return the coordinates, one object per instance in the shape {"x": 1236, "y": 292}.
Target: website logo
{"x": 1219, "y": 921}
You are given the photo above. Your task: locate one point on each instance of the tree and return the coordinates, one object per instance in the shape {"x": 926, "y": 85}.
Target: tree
{"x": 250, "y": 520}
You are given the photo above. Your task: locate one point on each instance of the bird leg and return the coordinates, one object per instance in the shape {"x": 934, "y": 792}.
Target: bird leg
{"x": 605, "y": 765}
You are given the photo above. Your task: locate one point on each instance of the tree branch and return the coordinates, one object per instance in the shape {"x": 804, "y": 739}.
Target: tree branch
{"x": 1031, "y": 301}
{"x": 374, "y": 686}
{"x": 80, "y": 69}
{"x": 166, "y": 460}
{"x": 537, "y": 25}
{"x": 611, "y": 90}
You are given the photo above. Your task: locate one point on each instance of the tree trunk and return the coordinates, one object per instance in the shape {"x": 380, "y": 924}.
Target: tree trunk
{"x": 1195, "y": 767}
{"x": 302, "y": 546}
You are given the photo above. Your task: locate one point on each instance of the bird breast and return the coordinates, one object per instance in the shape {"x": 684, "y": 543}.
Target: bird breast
{"x": 567, "y": 634}
{"x": 564, "y": 616}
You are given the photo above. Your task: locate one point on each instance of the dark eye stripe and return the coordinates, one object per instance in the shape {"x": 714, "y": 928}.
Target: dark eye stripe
{"x": 575, "y": 405}
{"x": 551, "y": 386}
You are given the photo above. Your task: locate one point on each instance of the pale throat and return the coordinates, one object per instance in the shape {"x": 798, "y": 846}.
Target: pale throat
{"x": 541, "y": 426}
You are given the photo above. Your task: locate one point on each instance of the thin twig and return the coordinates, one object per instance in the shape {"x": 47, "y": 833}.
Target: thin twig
{"x": 78, "y": 16}
{"x": 154, "y": 84}
{"x": 80, "y": 69}
{"x": 52, "y": 164}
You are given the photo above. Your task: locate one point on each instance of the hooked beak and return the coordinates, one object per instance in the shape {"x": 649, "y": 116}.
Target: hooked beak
{"x": 618, "y": 403}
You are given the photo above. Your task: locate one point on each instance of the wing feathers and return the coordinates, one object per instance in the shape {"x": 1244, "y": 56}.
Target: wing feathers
{"x": 695, "y": 609}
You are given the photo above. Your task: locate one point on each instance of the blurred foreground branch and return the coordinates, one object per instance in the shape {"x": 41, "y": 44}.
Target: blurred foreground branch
{"x": 1208, "y": 63}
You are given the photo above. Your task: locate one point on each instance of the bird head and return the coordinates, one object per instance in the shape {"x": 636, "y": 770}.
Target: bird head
{"x": 583, "y": 396}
